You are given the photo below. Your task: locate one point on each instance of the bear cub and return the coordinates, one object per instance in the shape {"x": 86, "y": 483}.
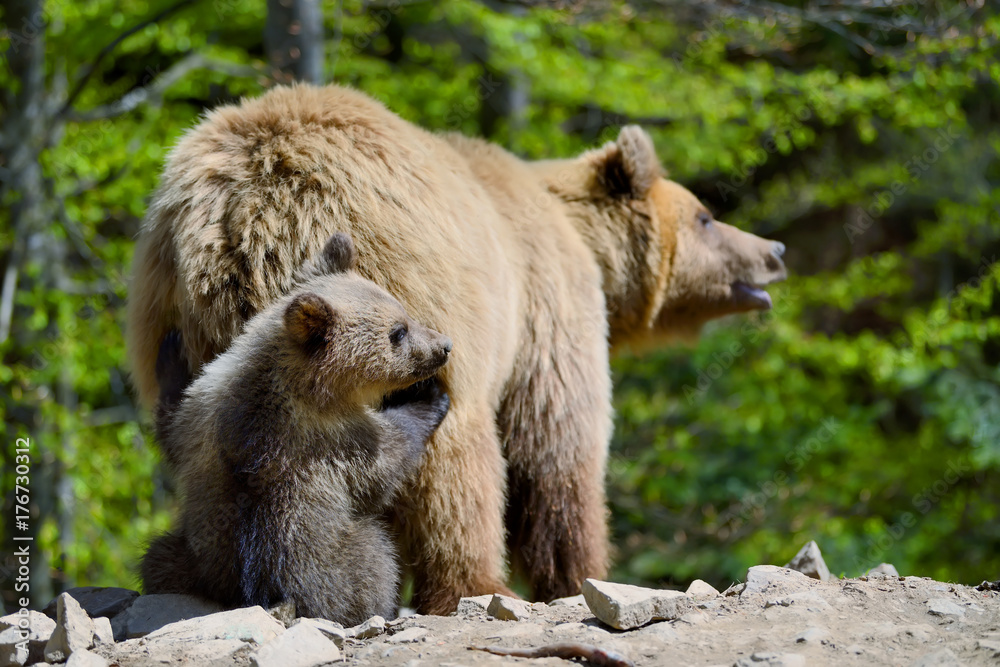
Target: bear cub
{"x": 289, "y": 447}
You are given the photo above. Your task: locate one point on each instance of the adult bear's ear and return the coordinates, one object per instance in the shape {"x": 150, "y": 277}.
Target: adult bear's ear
{"x": 309, "y": 320}
{"x": 628, "y": 167}
{"x": 337, "y": 256}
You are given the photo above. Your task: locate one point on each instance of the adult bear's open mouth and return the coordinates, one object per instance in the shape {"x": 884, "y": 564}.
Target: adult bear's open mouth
{"x": 745, "y": 294}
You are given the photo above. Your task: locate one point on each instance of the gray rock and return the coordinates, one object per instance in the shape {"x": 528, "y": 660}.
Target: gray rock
{"x": 373, "y": 627}
{"x": 98, "y": 600}
{"x": 284, "y": 612}
{"x": 883, "y": 568}
{"x": 34, "y": 626}
{"x": 335, "y": 632}
{"x": 992, "y": 645}
{"x": 302, "y": 645}
{"x": 249, "y": 624}
{"x": 473, "y": 606}
{"x": 152, "y": 612}
{"x": 103, "y": 634}
{"x": 409, "y": 636}
{"x": 809, "y": 561}
{"x": 572, "y": 601}
{"x": 813, "y": 636}
{"x": 771, "y": 580}
{"x": 942, "y": 657}
{"x": 944, "y": 607}
{"x": 84, "y": 658}
{"x": 625, "y": 607}
{"x": 762, "y": 659}
{"x": 74, "y": 630}
{"x": 505, "y": 608}
{"x": 702, "y": 589}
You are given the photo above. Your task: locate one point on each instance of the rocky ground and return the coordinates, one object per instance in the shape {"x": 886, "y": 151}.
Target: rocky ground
{"x": 777, "y": 616}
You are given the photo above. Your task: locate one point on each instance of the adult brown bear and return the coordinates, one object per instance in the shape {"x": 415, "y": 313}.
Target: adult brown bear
{"x": 532, "y": 269}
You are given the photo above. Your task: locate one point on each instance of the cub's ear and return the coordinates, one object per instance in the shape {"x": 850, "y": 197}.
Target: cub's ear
{"x": 628, "y": 167}
{"x": 309, "y": 320}
{"x": 337, "y": 256}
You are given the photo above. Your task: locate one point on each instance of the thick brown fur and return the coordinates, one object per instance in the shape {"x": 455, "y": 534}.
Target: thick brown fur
{"x": 286, "y": 456}
{"x": 531, "y": 268}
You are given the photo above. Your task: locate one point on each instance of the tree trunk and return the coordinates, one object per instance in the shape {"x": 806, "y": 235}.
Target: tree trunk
{"x": 293, "y": 40}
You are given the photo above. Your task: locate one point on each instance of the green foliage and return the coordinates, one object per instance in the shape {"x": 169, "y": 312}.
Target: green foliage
{"x": 863, "y": 411}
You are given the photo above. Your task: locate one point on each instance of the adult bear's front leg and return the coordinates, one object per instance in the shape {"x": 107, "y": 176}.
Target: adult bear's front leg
{"x": 453, "y": 524}
{"x": 556, "y": 425}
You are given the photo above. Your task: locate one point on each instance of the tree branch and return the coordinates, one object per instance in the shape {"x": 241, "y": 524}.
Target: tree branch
{"x": 153, "y": 91}
{"x": 92, "y": 68}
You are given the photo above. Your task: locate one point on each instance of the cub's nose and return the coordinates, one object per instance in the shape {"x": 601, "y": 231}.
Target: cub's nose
{"x": 446, "y": 346}
{"x": 778, "y": 249}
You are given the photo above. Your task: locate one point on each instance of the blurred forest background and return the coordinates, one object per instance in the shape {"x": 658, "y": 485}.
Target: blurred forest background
{"x": 862, "y": 412}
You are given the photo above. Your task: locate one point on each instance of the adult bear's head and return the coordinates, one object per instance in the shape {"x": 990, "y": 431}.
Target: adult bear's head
{"x": 668, "y": 265}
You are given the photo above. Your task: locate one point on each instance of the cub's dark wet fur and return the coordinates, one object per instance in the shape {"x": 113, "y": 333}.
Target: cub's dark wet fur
{"x": 287, "y": 455}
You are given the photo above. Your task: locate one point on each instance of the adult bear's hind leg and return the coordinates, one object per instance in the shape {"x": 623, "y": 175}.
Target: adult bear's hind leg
{"x": 557, "y": 425}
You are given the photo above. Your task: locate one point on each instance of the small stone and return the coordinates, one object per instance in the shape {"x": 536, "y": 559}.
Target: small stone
{"x": 770, "y": 579}
{"x": 33, "y": 626}
{"x": 625, "y": 607}
{"x": 284, "y": 612}
{"x": 97, "y": 600}
{"x": 74, "y": 630}
{"x": 335, "y": 632}
{"x": 152, "y": 612}
{"x": 809, "y": 561}
{"x": 505, "y": 608}
{"x": 944, "y": 607}
{"x": 103, "y": 633}
{"x": 693, "y": 618}
{"x": 249, "y": 624}
{"x": 302, "y": 645}
{"x": 474, "y": 605}
{"x": 813, "y": 636}
{"x": 84, "y": 658}
{"x": 854, "y": 649}
{"x": 989, "y": 645}
{"x": 373, "y": 627}
{"x": 702, "y": 589}
{"x": 884, "y": 568}
{"x": 409, "y": 636}
{"x": 572, "y": 601}
{"x": 942, "y": 657}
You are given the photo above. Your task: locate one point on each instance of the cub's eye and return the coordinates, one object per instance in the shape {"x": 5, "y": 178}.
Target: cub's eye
{"x": 398, "y": 334}
{"x": 705, "y": 218}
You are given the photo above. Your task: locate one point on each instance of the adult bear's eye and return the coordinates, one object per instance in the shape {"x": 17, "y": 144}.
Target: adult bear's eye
{"x": 398, "y": 334}
{"x": 704, "y": 218}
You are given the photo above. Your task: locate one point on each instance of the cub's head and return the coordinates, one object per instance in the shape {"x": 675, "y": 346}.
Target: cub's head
{"x": 668, "y": 265}
{"x": 353, "y": 339}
